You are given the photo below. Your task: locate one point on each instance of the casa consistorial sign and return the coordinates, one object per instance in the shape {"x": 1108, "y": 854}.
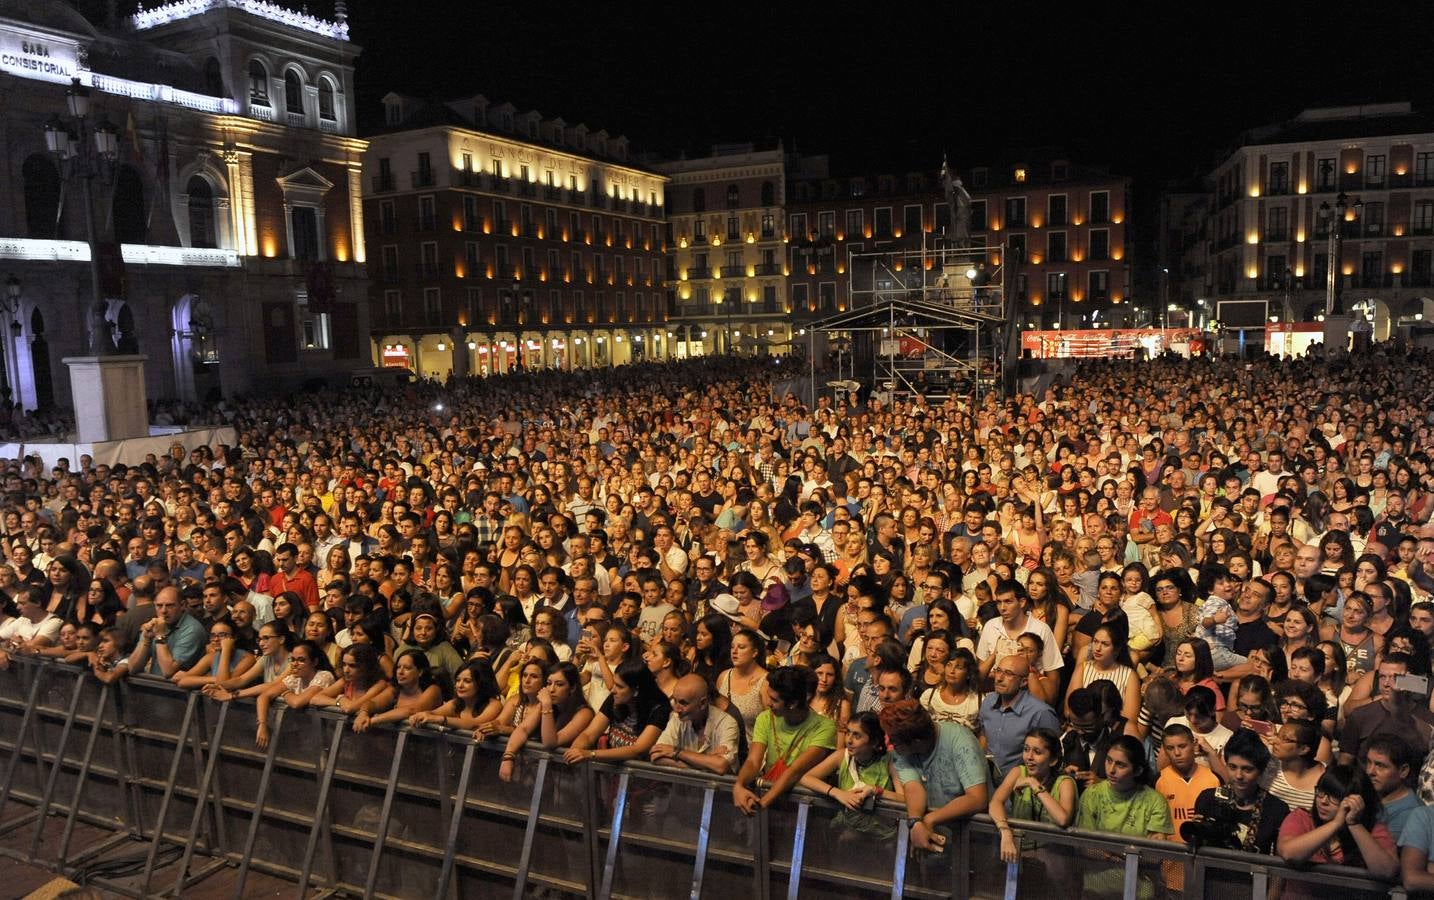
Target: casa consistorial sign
{"x": 41, "y": 56}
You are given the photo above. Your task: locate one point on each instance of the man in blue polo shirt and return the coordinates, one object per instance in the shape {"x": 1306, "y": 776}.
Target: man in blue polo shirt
{"x": 1009, "y": 713}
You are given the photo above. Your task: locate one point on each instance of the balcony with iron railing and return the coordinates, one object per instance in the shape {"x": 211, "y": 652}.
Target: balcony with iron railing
{"x": 423, "y": 178}
{"x": 382, "y": 182}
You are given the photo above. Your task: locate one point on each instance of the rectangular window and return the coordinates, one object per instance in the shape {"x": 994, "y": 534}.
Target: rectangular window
{"x": 1275, "y": 269}
{"x": 1421, "y": 268}
{"x": 826, "y": 225}
{"x": 883, "y": 222}
{"x": 550, "y": 224}
{"x": 1099, "y": 286}
{"x": 1099, "y": 243}
{"x": 1017, "y": 245}
{"x": 1423, "y": 168}
{"x": 734, "y": 229}
{"x": 1056, "y": 246}
{"x": 1373, "y": 219}
{"x": 390, "y": 265}
{"x": 854, "y": 223}
{"x": 769, "y": 227}
{"x": 313, "y": 327}
{"x": 1056, "y": 285}
{"x": 699, "y": 230}
{"x": 1277, "y": 223}
{"x": 799, "y": 226}
{"x": 1424, "y": 217}
{"x": 1371, "y": 268}
{"x": 471, "y": 259}
{"x": 826, "y": 296}
{"x": 304, "y": 220}
{"x": 392, "y": 305}
{"x": 1056, "y": 210}
{"x": 1374, "y": 170}
{"x": 432, "y": 306}
{"x": 1324, "y": 174}
{"x": 1015, "y": 212}
{"x": 978, "y": 215}
{"x": 800, "y": 296}
{"x": 1279, "y": 178}
{"x": 769, "y": 298}
{"x": 1099, "y": 207}
{"x": 387, "y": 218}
{"x": 475, "y": 304}
{"x": 911, "y": 221}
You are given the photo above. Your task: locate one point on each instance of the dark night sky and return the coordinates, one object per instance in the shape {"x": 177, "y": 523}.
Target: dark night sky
{"x": 1152, "y": 95}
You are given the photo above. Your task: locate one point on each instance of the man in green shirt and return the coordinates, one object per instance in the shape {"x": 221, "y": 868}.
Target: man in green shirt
{"x": 787, "y": 739}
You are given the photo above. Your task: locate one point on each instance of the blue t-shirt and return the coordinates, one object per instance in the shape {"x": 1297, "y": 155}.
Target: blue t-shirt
{"x": 1395, "y": 815}
{"x": 1418, "y": 830}
{"x": 953, "y": 766}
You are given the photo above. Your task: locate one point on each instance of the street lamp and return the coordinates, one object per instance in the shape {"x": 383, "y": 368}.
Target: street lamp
{"x": 86, "y": 151}
{"x": 1333, "y": 220}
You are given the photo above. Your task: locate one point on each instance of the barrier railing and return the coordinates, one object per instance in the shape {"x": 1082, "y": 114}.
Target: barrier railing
{"x": 421, "y": 812}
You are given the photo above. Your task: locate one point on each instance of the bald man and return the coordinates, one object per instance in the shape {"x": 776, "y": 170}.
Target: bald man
{"x": 698, "y": 734}
{"x": 1009, "y": 713}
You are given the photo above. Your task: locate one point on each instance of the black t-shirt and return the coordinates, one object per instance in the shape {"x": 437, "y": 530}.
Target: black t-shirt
{"x": 1272, "y": 812}
{"x": 1091, "y": 621}
{"x": 1253, "y": 636}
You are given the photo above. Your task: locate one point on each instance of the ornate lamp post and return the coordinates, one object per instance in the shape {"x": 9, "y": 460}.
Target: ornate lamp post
{"x": 85, "y": 152}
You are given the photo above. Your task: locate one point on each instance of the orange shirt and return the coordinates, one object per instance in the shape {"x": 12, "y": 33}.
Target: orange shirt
{"x": 1180, "y": 796}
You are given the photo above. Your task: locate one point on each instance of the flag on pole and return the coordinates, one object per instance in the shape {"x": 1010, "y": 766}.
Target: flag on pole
{"x": 131, "y": 131}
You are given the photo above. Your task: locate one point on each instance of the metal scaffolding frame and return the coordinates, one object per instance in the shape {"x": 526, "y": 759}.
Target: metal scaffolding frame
{"x": 928, "y": 296}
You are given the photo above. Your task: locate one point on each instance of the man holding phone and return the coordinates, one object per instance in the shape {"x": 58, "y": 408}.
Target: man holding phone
{"x": 1401, "y": 709}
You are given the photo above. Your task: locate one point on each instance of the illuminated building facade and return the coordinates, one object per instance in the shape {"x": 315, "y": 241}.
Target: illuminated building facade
{"x": 1270, "y": 243}
{"x": 234, "y": 202}
{"x": 727, "y": 254}
{"x": 1064, "y": 223}
{"x": 498, "y": 238}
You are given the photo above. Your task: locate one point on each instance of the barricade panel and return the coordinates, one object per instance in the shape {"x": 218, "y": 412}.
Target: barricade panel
{"x": 385, "y": 823}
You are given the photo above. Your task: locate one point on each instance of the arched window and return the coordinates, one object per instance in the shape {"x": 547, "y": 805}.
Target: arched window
{"x": 326, "y": 99}
{"x": 293, "y": 92}
{"x": 699, "y": 200}
{"x": 258, "y": 83}
{"x": 128, "y": 209}
{"x": 733, "y": 196}
{"x": 201, "y": 213}
{"x": 213, "y": 78}
{"x": 769, "y": 194}
{"x": 42, "y": 198}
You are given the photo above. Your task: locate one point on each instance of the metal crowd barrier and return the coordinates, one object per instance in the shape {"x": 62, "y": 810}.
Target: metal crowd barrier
{"x": 177, "y": 781}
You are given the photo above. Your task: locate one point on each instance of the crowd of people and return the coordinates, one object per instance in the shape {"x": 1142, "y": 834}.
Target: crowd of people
{"x": 1190, "y": 600}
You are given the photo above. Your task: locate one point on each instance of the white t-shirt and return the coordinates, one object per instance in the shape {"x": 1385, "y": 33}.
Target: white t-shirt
{"x": 1217, "y": 737}
{"x": 25, "y": 631}
{"x": 994, "y": 639}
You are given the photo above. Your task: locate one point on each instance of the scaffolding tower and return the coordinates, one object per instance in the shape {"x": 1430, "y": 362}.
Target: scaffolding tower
{"x": 930, "y": 321}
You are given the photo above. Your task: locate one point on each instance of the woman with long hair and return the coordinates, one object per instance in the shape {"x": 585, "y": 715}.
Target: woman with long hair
{"x": 1109, "y": 661}
{"x": 630, "y": 721}
{"x": 415, "y": 691}
{"x": 859, "y": 767}
{"x": 1341, "y": 826}
{"x": 1194, "y": 665}
{"x": 1037, "y": 790}
{"x": 831, "y": 698}
{"x": 741, "y": 689}
{"x": 958, "y": 697}
{"x": 532, "y": 676}
{"x": 559, "y": 718}
{"x": 1048, "y": 604}
{"x": 361, "y": 684}
{"x": 476, "y": 700}
{"x": 712, "y": 647}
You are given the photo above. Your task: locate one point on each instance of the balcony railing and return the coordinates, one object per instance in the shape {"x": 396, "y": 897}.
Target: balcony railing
{"x": 768, "y": 269}
{"x": 383, "y": 182}
{"x": 422, "y": 178}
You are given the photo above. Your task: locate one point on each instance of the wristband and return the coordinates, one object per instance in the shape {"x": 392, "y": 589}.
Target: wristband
{"x": 830, "y": 787}
{"x": 509, "y": 757}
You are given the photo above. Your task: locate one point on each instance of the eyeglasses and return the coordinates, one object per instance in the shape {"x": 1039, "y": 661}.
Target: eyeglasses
{"x": 221, "y": 634}
{"x": 1006, "y": 672}
{"x": 1293, "y": 704}
{"x": 1249, "y": 708}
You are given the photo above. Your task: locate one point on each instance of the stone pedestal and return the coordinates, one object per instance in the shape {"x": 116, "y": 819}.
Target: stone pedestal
{"x": 109, "y": 398}
{"x": 1336, "y": 332}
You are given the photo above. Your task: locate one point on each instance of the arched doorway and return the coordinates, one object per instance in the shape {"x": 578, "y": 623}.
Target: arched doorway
{"x": 196, "y": 350}
{"x": 40, "y": 361}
